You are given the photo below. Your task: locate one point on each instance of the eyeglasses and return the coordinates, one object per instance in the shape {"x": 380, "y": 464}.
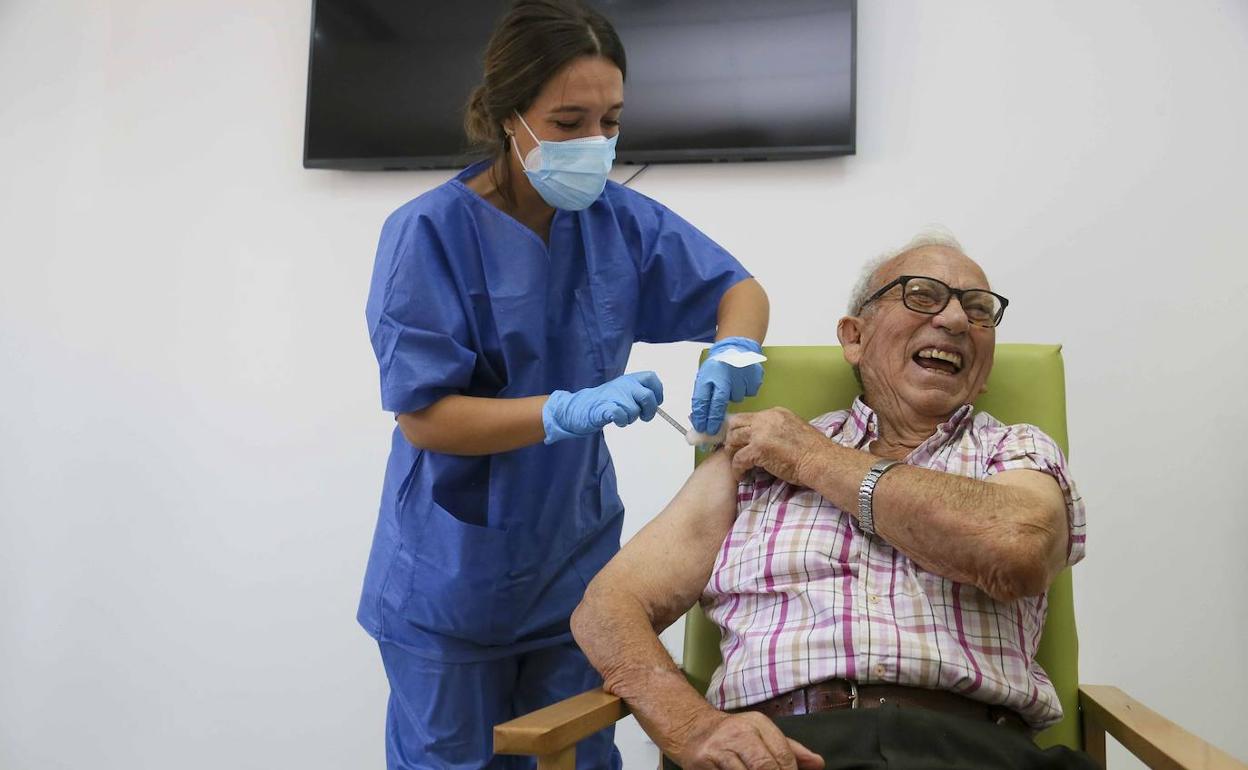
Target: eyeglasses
{"x": 930, "y": 296}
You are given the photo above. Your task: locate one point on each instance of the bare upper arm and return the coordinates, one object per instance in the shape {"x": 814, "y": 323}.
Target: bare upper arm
{"x": 1049, "y": 513}
{"x": 668, "y": 563}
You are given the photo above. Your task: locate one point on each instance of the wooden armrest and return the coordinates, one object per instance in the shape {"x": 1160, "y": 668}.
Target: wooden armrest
{"x": 559, "y": 726}
{"x": 1158, "y": 742}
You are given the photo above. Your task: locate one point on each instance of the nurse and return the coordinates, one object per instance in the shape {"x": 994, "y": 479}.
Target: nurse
{"x": 503, "y": 307}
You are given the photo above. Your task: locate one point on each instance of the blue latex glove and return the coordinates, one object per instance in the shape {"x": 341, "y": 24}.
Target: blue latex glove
{"x": 587, "y": 411}
{"x": 718, "y": 383}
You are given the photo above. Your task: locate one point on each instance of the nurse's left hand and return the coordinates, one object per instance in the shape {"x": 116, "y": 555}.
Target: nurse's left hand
{"x": 589, "y": 410}
{"x": 719, "y": 382}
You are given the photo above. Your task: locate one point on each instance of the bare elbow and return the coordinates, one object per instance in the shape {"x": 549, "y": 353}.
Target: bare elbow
{"x": 1022, "y": 568}
{"x": 591, "y": 614}
{"x": 595, "y": 634}
{"x": 414, "y": 427}
{"x": 582, "y": 621}
{"x": 1017, "y": 582}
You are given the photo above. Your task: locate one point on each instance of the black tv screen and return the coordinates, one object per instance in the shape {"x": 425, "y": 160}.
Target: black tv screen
{"x": 707, "y": 80}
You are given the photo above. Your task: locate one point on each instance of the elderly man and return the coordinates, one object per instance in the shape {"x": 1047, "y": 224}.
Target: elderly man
{"x": 879, "y": 574}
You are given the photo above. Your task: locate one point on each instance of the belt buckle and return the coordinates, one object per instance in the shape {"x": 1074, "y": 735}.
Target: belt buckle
{"x": 853, "y": 694}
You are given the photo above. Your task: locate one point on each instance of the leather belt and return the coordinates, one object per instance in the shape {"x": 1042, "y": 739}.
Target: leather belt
{"x": 834, "y": 694}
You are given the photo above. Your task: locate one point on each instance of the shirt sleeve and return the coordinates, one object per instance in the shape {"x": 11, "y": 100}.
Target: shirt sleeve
{"x": 1026, "y": 447}
{"x": 416, "y": 317}
{"x": 684, "y": 274}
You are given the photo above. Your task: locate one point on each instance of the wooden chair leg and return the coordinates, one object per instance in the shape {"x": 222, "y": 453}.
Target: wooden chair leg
{"x": 1094, "y": 738}
{"x": 561, "y": 760}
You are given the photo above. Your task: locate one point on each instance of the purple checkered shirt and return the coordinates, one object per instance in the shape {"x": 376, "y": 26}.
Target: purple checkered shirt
{"x": 802, "y": 595}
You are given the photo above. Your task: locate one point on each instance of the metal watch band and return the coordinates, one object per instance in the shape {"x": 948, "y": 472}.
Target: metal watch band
{"x": 866, "y": 519}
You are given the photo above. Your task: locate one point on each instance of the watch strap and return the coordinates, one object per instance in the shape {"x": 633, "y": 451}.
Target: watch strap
{"x": 866, "y": 492}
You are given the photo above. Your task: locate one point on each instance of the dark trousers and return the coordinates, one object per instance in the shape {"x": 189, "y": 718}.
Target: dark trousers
{"x": 918, "y": 739}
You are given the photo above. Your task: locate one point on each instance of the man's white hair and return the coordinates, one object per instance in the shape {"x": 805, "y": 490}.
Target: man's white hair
{"x": 932, "y": 235}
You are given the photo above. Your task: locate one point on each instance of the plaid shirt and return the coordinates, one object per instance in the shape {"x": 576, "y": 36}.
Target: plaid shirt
{"x": 802, "y": 595}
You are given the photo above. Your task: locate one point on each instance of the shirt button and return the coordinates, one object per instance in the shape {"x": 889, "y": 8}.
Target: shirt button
{"x": 879, "y": 670}
{"x": 873, "y": 599}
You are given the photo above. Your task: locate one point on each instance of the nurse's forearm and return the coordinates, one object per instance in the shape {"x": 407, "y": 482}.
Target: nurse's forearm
{"x": 743, "y": 312}
{"x": 467, "y": 425}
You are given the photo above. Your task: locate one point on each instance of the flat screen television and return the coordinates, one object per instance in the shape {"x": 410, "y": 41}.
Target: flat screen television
{"x": 708, "y": 80}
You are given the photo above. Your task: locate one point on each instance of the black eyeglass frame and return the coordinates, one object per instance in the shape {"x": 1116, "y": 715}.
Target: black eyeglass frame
{"x": 902, "y": 280}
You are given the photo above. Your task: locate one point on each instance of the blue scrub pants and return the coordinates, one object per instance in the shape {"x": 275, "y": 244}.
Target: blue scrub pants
{"x": 442, "y": 715}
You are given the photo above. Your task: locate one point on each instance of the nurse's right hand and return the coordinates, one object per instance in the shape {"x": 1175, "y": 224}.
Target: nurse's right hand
{"x": 585, "y": 412}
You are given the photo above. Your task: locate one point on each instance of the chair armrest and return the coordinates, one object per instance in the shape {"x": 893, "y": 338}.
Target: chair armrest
{"x": 559, "y": 726}
{"x": 1158, "y": 742}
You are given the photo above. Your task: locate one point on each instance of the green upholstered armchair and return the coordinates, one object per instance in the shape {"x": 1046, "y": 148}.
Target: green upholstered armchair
{"x": 1027, "y": 385}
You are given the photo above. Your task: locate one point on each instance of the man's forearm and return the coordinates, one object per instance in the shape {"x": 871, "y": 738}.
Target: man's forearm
{"x": 651, "y": 582}
{"x": 969, "y": 531}
{"x": 617, "y": 637}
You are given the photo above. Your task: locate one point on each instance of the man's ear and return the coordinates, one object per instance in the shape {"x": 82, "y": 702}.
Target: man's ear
{"x": 849, "y": 332}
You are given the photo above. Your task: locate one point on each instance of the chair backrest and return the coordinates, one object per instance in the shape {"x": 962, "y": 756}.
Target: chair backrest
{"x": 1028, "y": 385}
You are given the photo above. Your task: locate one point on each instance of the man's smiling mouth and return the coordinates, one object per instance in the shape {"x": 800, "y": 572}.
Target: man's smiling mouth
{"x": 937, "y": 360}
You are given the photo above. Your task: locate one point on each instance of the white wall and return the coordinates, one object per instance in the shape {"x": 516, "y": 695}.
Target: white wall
{"x": 192, "y": 447}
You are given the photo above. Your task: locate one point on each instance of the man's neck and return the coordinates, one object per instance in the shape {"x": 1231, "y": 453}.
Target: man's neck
{"x": 901, "y": 430}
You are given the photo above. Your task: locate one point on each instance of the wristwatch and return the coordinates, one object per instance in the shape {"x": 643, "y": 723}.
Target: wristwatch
{"x": 866, "y": 519}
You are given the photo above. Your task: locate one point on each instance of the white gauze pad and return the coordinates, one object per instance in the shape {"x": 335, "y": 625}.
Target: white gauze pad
{"x": 705, "y": 439}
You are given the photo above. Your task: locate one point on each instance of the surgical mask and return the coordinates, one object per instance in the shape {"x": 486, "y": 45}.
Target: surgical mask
{"x": 571, "y": 174}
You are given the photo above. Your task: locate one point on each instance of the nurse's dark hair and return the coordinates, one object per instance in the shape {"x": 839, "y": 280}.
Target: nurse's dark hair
{"x": 532, "y": 42}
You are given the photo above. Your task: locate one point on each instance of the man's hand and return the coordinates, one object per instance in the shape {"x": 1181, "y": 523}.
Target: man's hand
{"x": 775, "y": 440}
{"x": 720, "y": 741}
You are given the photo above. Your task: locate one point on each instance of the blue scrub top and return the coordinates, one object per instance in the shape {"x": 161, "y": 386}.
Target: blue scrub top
{"x": 479, "y": 557}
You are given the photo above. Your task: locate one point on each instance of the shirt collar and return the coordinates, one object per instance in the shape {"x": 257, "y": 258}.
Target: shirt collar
{"x": 863, "y": 427}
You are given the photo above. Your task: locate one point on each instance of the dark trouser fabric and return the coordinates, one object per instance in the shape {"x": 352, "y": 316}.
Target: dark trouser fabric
{"x": 918, "y": 739}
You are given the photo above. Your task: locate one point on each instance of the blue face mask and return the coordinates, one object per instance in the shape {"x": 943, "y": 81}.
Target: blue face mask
{"x": 569, "y": 175}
